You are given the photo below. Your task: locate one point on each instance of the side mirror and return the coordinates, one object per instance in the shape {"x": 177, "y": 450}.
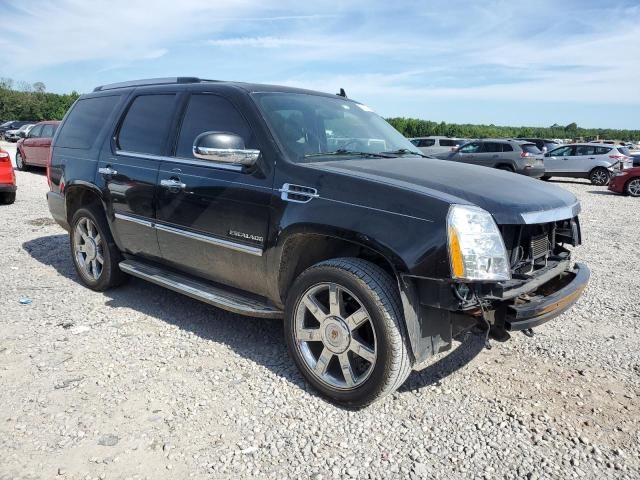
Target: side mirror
{"x": 224, "y": 147}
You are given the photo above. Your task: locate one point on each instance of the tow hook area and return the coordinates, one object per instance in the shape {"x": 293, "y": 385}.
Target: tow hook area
{"x": 492, "y": 326}
{"x": 528, "y": 332}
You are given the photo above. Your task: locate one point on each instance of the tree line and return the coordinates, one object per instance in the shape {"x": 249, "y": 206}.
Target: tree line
{"x": 25, "y": 101}
{"x": 413, "y": 127}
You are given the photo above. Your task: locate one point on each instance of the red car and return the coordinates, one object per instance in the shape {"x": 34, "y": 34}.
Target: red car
{"x": 7, "y": 179}
{"x": 626, "y": 181}
{"x": 34, "y": 150}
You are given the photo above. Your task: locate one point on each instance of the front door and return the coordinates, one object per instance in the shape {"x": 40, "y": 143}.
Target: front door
{"x": 129, "y": 170}
{"x": 30, "y": 145}
{"x": 212, "y": 217}
{"x": 470, "y": 153}
{"x": 558, "y": 160}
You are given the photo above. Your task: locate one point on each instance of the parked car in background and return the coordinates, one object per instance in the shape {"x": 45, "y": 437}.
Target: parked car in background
{"x": 15, "y": 135}
{"x": 375, "y": 256}
{"x": 594, "y": 161}
{"x": 11, "y": 125}
{"x": 512, "y": 155}
{"x": 7, "y": 179}
{"x": 626, "y": 181}
{"x": 33, "y": 150}
{"x": 543, "y": 144}
{"x": 436, "y": 144}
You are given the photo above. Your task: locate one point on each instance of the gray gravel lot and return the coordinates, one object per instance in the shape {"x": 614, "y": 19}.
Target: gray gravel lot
{"x": 140, "y": 382}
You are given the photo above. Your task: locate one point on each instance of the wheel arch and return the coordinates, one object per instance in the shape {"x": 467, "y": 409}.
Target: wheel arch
{"x": 301, "y": 246}
{"x": 78, "y": 194}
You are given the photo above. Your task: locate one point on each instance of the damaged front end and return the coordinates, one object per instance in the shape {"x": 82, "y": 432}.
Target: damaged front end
{"x": 544, "y": 283}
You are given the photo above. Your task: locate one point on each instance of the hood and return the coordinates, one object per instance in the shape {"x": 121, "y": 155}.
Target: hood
{"x": 511, "y": 198}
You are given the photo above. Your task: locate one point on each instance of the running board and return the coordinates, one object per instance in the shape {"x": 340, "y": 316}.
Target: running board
{"x": 205, "y": 292}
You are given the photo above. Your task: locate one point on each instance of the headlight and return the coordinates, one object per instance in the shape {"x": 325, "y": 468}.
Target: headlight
{"x": 476, "y": 248}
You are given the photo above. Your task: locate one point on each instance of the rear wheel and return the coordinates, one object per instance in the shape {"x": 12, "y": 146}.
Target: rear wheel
{"x": 20, "y": 164}
{"x": 95, "y": 255}
{"x": 633, "y": 187}
{"x": 545, "y": 177}
{"x": 599, "y": 176}
{"x": 343, "y": 329}
{"x": 506, "y": 168}
{"x": 7, "y": 198}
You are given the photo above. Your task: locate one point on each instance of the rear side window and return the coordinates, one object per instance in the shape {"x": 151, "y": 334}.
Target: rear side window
{"x": 582, "y": 150}
{"x": 448, "y": 142}
{"x": 427, "y": 142}
{"x": 602, "y": 150}
{"x": 145, "y": 128}
{"x": 531, "y": 148}
{"x": 492, "y": 147}
{"x": 84, "y": 122}
{"x": 507, "y": 148}
{"x": 211, "y": 113}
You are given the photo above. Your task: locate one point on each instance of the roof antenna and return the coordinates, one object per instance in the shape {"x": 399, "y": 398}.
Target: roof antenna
{"x": 342, "y": 93}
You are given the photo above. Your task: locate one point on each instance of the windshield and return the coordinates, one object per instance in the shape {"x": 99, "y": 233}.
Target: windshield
{"x": 311, "y": 127}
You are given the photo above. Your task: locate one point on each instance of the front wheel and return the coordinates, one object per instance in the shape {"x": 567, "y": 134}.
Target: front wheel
{"x": 633, "y": 187}
{"x": 7, "y": 198}
{"x": 599, "y": 176}
{"x": 94, "y": 253}
{"x": 20, "y": 165}
{"x": 343, "y": 329}
{"x": 545, "y": 177}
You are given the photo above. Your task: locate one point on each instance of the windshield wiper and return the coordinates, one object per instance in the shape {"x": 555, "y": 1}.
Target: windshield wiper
{"x": 405, "y": 151}
{"x": 343, "y": 151}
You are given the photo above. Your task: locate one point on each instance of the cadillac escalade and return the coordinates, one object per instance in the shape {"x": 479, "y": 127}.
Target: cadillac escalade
{"x": 279, "y": 202}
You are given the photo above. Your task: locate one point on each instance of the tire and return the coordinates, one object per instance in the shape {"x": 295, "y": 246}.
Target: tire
{"x": 87, "y": 249}
{"x": 7, "y": 198}
{"x": 633, "y": 187}
{"x": 20, "y": 164}
{"x": 506, "y": 168}
{"x": 372, "y": 341}
{"x": 545, "y": 177}
{"x": 599, "y": 176}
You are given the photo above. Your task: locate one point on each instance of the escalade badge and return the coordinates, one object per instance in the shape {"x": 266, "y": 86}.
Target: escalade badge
{"x": 246, "y": 236}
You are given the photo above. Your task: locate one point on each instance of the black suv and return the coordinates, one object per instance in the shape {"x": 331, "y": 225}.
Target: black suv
{"x": 280, "y": 202}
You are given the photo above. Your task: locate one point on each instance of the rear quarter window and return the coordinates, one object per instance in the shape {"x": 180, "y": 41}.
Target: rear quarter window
{"x": 82, "y": 125}
{"x": 602, "y": 150}
{"x": 531, "y": 148}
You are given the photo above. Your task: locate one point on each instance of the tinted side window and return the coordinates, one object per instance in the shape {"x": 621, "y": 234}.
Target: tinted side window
{"x": 146, "y": 125}
{"x": 602, "y": 150}
{"x": 81, "y": 127}
{"x": 492, "y": 147}
{"x": 507, "y": 148}
{"x": 36, "y": 131}
{"x": 582, "y": 150}
{"x": 427, "y": 142}
{"x": 561, "y": 152}
{"x": 211, "y": 113}
{"x": 47, "y": 131}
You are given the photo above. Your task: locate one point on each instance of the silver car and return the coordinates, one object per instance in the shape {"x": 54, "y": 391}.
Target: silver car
{"x": 436, "y": 144}
{"x": 594, "y": 161}
{"x": 511, "y": 155}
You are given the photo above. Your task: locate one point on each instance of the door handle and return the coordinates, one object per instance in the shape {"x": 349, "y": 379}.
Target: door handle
{"x": 173, "y": 184}
{"x": 107, "y": 171}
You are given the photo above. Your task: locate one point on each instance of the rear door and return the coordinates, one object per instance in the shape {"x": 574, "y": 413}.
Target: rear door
{"x": 215, "y": 223}
{"x": 557, "y": 160}
{"x": 490, "y": 155}
{"x": 130, "y": 169}
{"x": 583, "y": 159}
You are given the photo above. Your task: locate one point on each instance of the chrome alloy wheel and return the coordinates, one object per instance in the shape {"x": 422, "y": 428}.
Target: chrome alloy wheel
{"x": 634, "y": 187}
{"x": 600, "y": 177}
{"x": 88, "y": 248}
{"x": 335, "y": 336}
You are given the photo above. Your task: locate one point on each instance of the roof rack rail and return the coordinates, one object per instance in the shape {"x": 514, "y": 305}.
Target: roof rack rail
{"x": 151, "y": 81}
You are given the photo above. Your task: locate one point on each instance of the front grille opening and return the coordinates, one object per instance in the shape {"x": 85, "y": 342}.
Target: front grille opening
{"x": 531, "y": 247}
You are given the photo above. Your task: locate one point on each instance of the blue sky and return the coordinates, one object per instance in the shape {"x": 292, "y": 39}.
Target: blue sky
{"x": 503, "y": 62}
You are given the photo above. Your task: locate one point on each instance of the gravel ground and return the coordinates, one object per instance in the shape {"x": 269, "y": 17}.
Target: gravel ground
{"x": 140, "y": 382}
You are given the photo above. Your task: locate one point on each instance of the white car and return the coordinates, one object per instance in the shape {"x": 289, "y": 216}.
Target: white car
{"x": 595, "y": 161}
{"x": 437, "y": 144}
{"x": 17, "y": 134}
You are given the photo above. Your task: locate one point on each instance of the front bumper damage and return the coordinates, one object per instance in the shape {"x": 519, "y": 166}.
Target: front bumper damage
{"x": 434, "y": 315}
